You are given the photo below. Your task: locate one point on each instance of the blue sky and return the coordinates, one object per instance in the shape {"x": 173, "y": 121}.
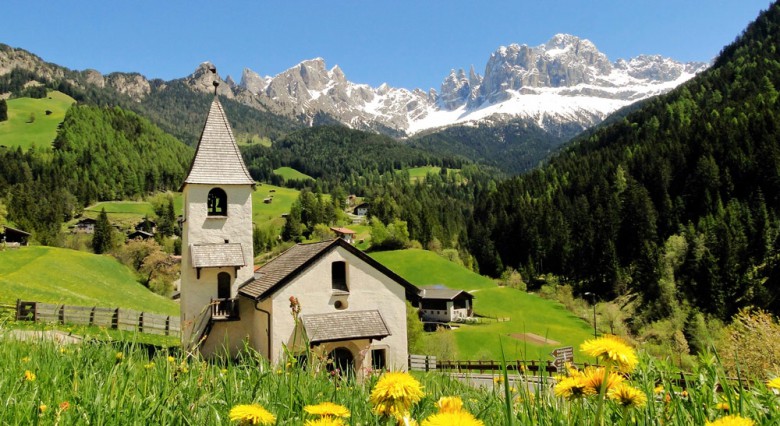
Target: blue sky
{"x": 410, "y": 44}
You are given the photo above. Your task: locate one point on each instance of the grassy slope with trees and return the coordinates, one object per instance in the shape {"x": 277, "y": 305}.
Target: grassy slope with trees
{"x": 677, "y": 203}
{"x": 28, "y": 123}
{"x": 528, "y": 313}
{"x": 54, "y": 275}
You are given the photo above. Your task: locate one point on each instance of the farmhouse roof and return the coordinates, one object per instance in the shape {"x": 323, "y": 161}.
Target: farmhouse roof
{"x": 283, "y": 268}
{"x": 443, "y": 294}
{"x": 342, "y": 230}
{"x": 338, "y": 326}
{"x": 217, "y": 255}
{"x": 10, "y": 230}
{"x": 217, "y": 159}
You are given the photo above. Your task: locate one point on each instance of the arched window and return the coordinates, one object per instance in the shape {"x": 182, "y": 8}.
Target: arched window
{"x": 338, "y": 276}
{"x": 223, "y": 285}
{"x": 217, "y": 202}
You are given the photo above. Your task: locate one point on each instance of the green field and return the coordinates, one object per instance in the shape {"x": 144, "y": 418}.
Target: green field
{"x": 247, "y": 139}
{"x": 55, "y": 275}
{"x": 20, "y": 131}
{"x": 527, "y": 313}
{"x": 270, "y": 214}
{"x": 419, "y": 173}
{"x": 288, "y": 173}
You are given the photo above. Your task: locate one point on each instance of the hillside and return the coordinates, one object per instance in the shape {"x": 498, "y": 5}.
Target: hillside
{"x": 54, "y": 275}
{"x": 527, "y": 313}
{"x": 677, "y": 203}
{"x": 34, "y": 121}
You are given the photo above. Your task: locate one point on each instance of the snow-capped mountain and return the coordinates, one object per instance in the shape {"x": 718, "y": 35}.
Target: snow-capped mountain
{"x": 566, "y": 80}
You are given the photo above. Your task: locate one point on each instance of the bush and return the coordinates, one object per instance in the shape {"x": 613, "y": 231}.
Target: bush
{"x": 751, "y": 344}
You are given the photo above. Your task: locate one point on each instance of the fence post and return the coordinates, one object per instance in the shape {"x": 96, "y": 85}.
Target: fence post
{"x": 141, "y": 323}
{"x": 18, "y": 309}
{"x": 92, "y": 316}
{"x": 115, "y": 319}
{"x": 61, "y": 314}
{"x": 168, "y": 325}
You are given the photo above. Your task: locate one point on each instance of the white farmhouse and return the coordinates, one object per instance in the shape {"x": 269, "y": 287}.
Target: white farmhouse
{"x": 352, "y": 307}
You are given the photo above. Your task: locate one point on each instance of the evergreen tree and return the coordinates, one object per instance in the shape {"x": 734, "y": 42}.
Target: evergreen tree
{"x": 3, "y": 110}
{"x": 101, "y": 239}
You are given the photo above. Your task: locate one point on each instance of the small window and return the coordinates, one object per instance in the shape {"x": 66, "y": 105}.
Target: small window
{"x": 338, "y": 274}
{"x": 378, "y": 359}
{"x": 223, "y": 285}
{"x": 217, "y": 202}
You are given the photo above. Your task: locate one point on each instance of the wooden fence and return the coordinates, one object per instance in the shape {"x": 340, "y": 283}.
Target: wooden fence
{"x": 114, "y": 318}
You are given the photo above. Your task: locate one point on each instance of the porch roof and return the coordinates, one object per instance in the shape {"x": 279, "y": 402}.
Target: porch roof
{"x": 345, "y": 325}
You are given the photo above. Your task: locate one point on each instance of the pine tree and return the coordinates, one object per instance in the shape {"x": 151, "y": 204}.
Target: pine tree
{"x": 101, "y": 240}
{"x": 3, "y": 110}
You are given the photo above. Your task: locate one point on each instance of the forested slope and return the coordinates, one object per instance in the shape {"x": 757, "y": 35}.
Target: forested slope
{"x": 99, "y": 154}
{"x": 678, "y": 202}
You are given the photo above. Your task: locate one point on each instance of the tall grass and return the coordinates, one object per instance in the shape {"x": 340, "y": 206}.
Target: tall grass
{"x": 126, "y": 383}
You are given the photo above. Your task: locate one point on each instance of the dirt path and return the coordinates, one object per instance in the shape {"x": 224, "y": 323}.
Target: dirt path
{"x": 534, "y": 338}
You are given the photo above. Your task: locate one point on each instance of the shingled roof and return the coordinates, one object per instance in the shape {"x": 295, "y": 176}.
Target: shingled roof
{"x": 286, "y": 266}
{"x": 337, "y": 326}
{"x": 217, "y": 160}
{"x": 217, "y": 255}
{"x": 438, "y": 293}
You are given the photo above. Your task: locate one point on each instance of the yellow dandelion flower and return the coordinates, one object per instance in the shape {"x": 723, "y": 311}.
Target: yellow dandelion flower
{"x": 498, "y": 380}
{"x": 774, "y": 383}
{"x": 325, "y": 421}
{"x": 171, "y": 359}
{"x": 42, "y": 408}
{"x": 450, "y": 404}
{"x": 327, "y": 409}
{"x": 251, "y": 414}
{"x": 29, "y": 376}
{"x": 723, "y": 406}
{"x": 395, "y": 393}
{"x": 594, "y": 376}
{"x": 460, "y": 418}
{"x": 658, "y": 389}
{"x": 119, "y": 356}
{"x": 612, "y": 349}
{"x": 732, "y": 420}
{"x": 684, "y": 394}
{"x": 570, "y": 388}
{"x": 628, "y": 396}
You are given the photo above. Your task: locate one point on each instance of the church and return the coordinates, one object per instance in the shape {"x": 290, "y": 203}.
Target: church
{"x": 350, "y": 307}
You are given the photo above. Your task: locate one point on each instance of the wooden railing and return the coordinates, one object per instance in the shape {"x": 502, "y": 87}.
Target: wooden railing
{"x": 114, "y": 318}
{"x": 224, "y": 309}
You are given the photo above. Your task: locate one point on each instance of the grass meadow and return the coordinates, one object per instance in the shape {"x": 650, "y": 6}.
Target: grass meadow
{"x": 21, "y": 130}
{"x": 527, "y": 313}
{"x": 63, "y": 276}
{"x": 121, "y": 383}
{"x": 288, "y": 173}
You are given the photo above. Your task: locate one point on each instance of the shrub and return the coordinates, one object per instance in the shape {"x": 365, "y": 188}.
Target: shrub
{"x": 751, "y": 344}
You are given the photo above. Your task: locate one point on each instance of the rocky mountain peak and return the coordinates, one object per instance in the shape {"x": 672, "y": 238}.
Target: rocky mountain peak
{"x": 202, "y": 80}
{"x": 253, "y": 82}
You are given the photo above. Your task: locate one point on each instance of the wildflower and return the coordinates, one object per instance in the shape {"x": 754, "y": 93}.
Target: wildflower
{"x": 723, "y": 406}
{"x": 733, "y": 420}
{"x": 223, "y": 371}
{"x": 628, "y": 396}
{"x": 171, "y": 359}
{"x": 395, "y": 393}
{"x": 684, "y": 394}
{"x": 26, "y": 359}
{"x": 594, "y": 376}
{"x": 570, "y": 388}
{"x": 612, "y": 349}
{"x": 295, "y": 305}
{"x": 450, "y": 404}
{"x": 251, "y": 414}
{"x": 498, "y": 380}
{"x": 658, "y": 389}
{"x": 460, "y": 418}
{"x": 327, "y": 409}
{"x": 325, "y": 421}
{"x": 64, "y": 405}
{"x": 774, "y": 383}
{"x": 119, "y": 356}
{"x": 42, "y": 408}
{"x": 29, "y": 376}
{"x": 148, "y": 366}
